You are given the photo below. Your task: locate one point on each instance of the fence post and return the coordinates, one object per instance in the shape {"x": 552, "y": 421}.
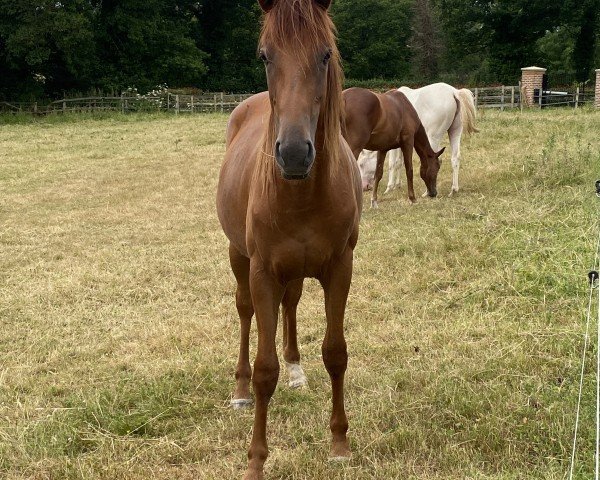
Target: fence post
{"x": 597, "y": 90}
{"x": 176, "y": 104}
{"x": 35, "y": 107}
{"x": 577, "y": 96}
{"x": 122, "y": 105}
{"x": 192, "y": 103}
{"x": 64, "y": 106}
{"x": 502, "y": 100}
{"x": 215, "y": 102}
{"x": 168, "y": 101}
{"x": 512, "y": 96}
{"x": 520, "y": 97}
{"x": 222, "y": 100}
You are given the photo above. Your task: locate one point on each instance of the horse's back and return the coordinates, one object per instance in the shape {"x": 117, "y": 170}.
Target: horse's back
{"x": 435, "y": 104}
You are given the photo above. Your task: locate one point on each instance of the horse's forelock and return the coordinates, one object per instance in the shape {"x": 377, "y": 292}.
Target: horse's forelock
{"x": 300, "y": 26}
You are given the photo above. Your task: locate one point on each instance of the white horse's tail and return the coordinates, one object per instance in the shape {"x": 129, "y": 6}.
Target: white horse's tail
{"x": 467, "y": 110}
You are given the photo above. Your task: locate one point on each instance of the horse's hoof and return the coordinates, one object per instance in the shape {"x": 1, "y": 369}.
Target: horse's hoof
{"x": 340, "y": 452}
{"x": 339, "y": 459}
{"x": 374, "y": 204}
{"x": 241, "y": 403}
{"x": 297, "y": 377}
{"x": 425, "y": 194}
{"x": 253, "y": 475}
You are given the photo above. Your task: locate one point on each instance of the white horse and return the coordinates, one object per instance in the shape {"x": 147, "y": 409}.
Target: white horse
{"x": 442, "y": 109}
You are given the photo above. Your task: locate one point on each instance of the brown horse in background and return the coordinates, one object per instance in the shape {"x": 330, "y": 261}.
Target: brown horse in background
{"x": 289, "y": 200}
{"x": 384, "y": 122}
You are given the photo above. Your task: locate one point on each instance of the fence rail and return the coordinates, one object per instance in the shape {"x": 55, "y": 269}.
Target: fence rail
{"x": 502, "y": 97}
{"x": 175, "y": 103}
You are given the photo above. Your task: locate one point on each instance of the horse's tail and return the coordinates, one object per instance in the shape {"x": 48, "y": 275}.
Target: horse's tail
{"x": 467, "y": 109}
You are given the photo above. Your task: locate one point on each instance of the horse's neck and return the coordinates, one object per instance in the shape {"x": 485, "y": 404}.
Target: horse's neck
{"x": 421, "y": 144}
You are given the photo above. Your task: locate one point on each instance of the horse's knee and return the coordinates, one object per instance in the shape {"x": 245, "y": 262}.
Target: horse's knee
{"x": 266, "y": 374}
{"x": 335, "y": 358}
{"x": 243, "y": 303}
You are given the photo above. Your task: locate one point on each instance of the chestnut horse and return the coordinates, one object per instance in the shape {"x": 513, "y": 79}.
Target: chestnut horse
{"x": 289, "y": 200}
{"x": 384, "y": 122}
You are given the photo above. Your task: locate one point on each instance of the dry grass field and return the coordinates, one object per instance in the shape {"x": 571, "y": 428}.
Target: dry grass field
{"x": 119, "y": 333}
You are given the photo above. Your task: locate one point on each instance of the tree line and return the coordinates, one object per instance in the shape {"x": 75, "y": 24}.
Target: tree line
{"x": 49, "y": 48}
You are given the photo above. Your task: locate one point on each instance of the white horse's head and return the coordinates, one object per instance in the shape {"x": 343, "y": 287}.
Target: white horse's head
{"x": 367, "y": 164}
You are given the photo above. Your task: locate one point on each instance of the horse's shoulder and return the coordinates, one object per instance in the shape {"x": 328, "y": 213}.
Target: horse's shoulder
{"x": 250, "y": 109}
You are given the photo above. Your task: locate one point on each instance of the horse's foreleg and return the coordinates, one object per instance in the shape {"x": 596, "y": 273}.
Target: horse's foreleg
{"x": 407, "y": 151}
{"x": 336, "y": 284}
{"x": 394, "y": 170}
{"x": 266, "y": 296}
{"x": 291, "y": 355}
{"x": 378, "y": 177}
{"x": 241, "y": 269}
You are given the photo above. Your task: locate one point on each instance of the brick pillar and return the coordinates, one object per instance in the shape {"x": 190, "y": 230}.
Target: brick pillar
{"x": 597, "y": 96}
{"x": 531, "y": 78}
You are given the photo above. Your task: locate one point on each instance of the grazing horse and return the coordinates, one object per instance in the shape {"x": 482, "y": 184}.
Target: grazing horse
{"x": 289, "y": 200}
{"x": 384, "y": 122}
{"x": 442, "y": 109}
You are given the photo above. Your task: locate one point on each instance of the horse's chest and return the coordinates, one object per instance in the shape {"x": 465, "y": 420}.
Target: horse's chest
{"x": 299, "y": 248}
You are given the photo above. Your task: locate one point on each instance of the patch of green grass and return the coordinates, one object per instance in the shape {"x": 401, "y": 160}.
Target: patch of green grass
{"x": 120, "y": 334}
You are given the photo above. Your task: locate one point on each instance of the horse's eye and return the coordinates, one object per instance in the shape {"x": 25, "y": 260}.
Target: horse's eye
{"x": 263, "y": 56}
{"x": 327, "y": 57}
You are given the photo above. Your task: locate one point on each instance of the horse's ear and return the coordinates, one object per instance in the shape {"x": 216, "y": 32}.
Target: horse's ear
{"x": 266, "y": 5}
{"x": 324, "y": 4}
{"x": 438, "y": 154}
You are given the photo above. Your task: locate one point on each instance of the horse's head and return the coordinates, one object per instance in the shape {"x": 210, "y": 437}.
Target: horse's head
{"x": 367, "y": 164}
{"x": 429, "y": 171}
{"x": 297, "y": 46}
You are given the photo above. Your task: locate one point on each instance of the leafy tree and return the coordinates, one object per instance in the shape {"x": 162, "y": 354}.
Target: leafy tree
{"x": 425, "y": 42}
{"x": 143, "y": 43}
{"x": 47, "y": 46}
{"x": 228, "y": 31}
{"x": 586, "y": 38}
{"x": 373, "y": 37}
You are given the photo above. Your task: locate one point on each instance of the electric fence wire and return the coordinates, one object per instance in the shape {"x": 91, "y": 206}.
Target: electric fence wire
{"x": 593, "y": 279}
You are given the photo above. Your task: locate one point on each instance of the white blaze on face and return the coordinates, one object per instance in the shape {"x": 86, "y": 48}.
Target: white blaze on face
{"x": 367, "y": 164}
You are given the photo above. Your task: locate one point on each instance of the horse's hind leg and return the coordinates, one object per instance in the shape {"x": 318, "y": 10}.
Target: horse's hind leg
{"x": 378, "y": 176}
{"x": 394, "y": 170}
{"x": 454, "y": 134}
{"x": 241, "y": 269}
{"x": 291, "y": 355}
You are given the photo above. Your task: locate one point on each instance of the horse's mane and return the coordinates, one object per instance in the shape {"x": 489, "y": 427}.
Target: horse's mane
{"x": 303, "y": 27}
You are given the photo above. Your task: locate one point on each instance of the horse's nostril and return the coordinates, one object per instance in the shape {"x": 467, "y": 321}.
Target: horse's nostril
{"x": 309, "y": 154}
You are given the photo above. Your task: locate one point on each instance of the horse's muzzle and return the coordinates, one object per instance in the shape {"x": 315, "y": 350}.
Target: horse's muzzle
{"x": 295, "y": 159}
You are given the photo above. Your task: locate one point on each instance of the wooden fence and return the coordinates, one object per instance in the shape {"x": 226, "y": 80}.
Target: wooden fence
{"x": 174, "y": 103}
{"x": 502, "y": 97}
{"x": 497, "y": 97}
